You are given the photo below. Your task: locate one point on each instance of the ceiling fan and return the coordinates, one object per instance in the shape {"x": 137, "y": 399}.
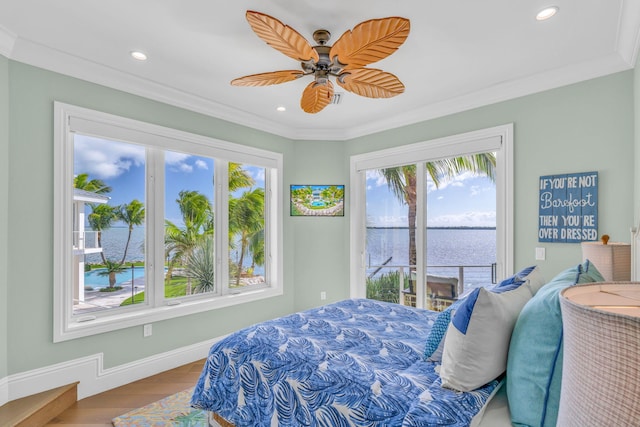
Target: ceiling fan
{"x": 368, "y": 42}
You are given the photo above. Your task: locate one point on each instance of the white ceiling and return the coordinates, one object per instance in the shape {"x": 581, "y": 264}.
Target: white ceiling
{"x": 460, "y": 54}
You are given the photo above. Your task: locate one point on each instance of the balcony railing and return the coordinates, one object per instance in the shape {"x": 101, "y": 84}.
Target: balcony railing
{"x": 402, "y": 281}
{"x": 85, "y": 240}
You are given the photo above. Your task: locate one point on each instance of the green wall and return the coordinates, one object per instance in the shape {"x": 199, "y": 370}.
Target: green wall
{"x": 577, "y": 128}
{"x": 30, "y": 204}
{"x": 4, "y": 209}
{"x": 322, "y": 244}
{"x": 582, "y": 127}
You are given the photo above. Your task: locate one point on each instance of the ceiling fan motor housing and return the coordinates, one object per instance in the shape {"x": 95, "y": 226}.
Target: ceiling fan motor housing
{"x": 325, "y": 67}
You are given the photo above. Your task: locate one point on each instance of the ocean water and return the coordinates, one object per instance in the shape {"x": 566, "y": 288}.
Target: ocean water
{"x": 114, "y": 241}
{"x": 447, "y": 250}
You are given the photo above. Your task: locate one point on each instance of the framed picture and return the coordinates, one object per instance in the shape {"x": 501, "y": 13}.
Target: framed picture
{"x": 317, "y": 200}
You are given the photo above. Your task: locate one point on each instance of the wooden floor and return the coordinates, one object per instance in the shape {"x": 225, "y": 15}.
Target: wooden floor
{"x": 98, "y": 410}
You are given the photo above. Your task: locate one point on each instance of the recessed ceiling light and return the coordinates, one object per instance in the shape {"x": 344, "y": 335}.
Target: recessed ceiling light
{"x": 140, "y": 56}
{"x": 547, "y": 13}
{"x": 281, "y": 108}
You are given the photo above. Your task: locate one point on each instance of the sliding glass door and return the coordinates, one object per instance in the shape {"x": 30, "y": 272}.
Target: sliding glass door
{"x": 430, "y": 223}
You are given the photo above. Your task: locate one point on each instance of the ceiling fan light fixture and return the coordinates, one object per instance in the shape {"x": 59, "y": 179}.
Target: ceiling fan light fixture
{"x": 546, "y": 13}
{"x": 345, "y": 61}
{"x": 138, "y": 55}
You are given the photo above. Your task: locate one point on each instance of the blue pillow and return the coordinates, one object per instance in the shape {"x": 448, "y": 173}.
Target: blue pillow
{"x": 534, "y": 364}
{"x": 477, "y": 341}
{"x": 463, "y": 316}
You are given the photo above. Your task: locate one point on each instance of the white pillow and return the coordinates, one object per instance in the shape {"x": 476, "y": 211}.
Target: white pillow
{"x": 477, "y": 340}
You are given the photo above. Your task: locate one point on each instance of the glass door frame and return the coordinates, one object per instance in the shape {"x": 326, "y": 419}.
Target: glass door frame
{"x": 497, "y": 139}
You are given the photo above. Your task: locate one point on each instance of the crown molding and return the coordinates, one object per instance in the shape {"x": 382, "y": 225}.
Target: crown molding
{"x": 628, "y": 40}
{"x": 627, "y": 46}
{"x": 502, "y": 92}
{"x": 41, "y": 56}
{"x": 7, "y": 41}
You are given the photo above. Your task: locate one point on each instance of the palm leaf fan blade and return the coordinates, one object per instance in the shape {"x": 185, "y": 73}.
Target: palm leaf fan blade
{"x": 281, "y": 37}
{"x": 370, "y": 41}
{"x": 266, "y": 79}
{"x": 371, "y": 83}
{"x": 316, "y": 96}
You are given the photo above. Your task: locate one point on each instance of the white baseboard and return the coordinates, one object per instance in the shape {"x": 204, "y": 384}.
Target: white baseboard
{"x": 4, "y": 390}
{"x": 93, "y": 377}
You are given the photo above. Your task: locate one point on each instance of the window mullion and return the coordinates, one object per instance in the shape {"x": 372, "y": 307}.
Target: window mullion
{"x": 268, "y": 203}
{"x": 421, "y": 237}
{"x": 221, "y": 226}
{"x": 154, "y": 218}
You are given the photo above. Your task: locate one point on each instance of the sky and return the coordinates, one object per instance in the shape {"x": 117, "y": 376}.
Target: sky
{"x": 122, "y": 167}
{"x": 464, "y": 201}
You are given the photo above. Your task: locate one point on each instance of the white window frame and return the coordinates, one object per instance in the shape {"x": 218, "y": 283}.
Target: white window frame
{"x": 69, "y": 119}
{"x": 498, "y": 139}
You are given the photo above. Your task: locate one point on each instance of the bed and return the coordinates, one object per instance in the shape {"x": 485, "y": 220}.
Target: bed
{"x": 492, "y": 358}
{"x": 356, "y": 362}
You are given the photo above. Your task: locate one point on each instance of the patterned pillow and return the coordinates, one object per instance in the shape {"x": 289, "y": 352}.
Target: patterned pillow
{"x": 435, "y": 339}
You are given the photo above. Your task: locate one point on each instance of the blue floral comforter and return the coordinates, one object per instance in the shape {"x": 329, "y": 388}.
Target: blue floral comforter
{"x": 352, "y": 363}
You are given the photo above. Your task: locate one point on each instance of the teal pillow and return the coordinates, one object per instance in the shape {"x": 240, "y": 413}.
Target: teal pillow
{"x": 590, "y": 270}
{"x": 534, "y": 364}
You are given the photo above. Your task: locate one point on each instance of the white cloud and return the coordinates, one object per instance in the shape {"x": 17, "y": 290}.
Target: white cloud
{"x": 104, "y": 159}
{"x": 376, "y": 176}
{"x": 178, "y": 162}
{"x": 387, "y": 221}
{"x": 184, "y": 167}
{"x": 465, "y": 219}
{"x": 258, "y": 174}
{"x": 201, "y": 164}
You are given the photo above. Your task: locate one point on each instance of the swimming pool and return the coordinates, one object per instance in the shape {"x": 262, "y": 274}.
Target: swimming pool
{"x": 317, "y": 203}
{"x": 92, "y": 278}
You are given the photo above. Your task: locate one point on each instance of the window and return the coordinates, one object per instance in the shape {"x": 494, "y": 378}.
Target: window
{"x": 153, "y": 223}
{"x": 394, "y": 232}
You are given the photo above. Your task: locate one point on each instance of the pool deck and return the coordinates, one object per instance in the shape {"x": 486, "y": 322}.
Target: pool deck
{"x": 94, "y": 300}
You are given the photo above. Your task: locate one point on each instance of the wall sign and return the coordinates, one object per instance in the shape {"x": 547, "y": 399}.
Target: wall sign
{"x": 568, "y": 208}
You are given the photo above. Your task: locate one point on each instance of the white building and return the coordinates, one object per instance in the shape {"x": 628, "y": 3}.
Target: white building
{"x": 84, "y": 242}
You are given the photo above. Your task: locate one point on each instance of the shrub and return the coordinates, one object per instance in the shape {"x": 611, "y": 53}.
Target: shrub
{"x": 385, "y": 287}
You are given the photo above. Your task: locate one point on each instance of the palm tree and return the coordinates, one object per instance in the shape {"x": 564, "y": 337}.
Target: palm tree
{"x": 402, "y": 182}
{"x": 195, "y": 209}
{"x": 82, "y": 182}
{"x": 131, "y": 214}
{"x": 238, "y": 177}
{"x": 111, "y": 269}
{"x": 101, "y": 218}
{"x": 197, "y": 216}
{"x": 256, "y": 247}
{"x": 246, "y": 218}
